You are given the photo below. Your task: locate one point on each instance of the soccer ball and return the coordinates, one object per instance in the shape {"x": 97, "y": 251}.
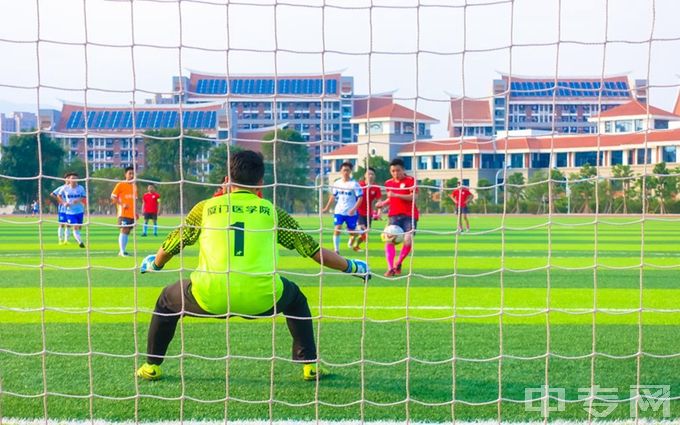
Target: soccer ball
{"x": 393, "y": 234}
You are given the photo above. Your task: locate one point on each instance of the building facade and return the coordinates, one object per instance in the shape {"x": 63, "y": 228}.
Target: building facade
{"x": 632, "y": 134}
{"x": 561, "y": 105}
{"x": 113, "y": 136}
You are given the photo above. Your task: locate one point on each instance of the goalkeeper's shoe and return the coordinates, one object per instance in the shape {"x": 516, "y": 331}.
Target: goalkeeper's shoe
{"x": 310, "y": 371}
{"x": 149, "y": 372}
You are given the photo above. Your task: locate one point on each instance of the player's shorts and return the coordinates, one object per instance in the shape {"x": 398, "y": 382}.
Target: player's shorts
{"x": 75, "y": 219}
{"x": 151, "y": 216}
{"x": 462, "y": 210}
{"x": 126, "y": 221}
{"x": 62, "y": 218}
{"x": 365, "y": 221}
{"x": 349, "y": 220}
{"x": 406, "y": 222}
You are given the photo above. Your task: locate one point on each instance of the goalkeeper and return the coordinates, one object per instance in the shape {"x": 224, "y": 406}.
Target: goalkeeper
{"x": 236, "y": 273}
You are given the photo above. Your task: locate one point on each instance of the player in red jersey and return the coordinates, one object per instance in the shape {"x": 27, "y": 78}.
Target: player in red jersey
{"x": 401, "y": 195}
{"x": 151, "y": 208}
{"x": 461, "y": 196}
{"x": 372, "y": 194}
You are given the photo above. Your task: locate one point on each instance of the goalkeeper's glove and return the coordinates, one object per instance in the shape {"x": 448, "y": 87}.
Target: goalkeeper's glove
{"x": 358, "y": 268}
{"x": 149, "y": 264}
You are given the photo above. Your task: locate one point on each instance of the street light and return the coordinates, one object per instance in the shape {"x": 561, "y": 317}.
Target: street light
{"x": 495, "y": 186}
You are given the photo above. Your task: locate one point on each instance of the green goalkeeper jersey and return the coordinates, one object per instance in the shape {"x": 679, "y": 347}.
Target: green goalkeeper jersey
{"x": 237, "y": 263}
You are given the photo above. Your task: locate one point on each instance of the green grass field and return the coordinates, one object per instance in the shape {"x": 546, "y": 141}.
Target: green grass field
{"x": 483, "y": 317}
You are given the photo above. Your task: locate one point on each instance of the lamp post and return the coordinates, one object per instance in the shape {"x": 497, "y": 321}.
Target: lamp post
{"x": 495, "y": 186}
{"x": 568, "y": 191}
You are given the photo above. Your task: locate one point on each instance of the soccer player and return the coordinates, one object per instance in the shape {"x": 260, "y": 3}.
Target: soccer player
{"x": 35, "y": 208}
{"x": 73, "y": 198}
{"x": 236, "y": 273}
{"x": 151, "y": 208}
{"x": 461, "y": 196}
{"x": 346, "y": 193}
{"x": 401, "y": 192}
{"x": 62, "y": 229}
{"x": 371, "y": 195}
{"x": 124, "y": 196}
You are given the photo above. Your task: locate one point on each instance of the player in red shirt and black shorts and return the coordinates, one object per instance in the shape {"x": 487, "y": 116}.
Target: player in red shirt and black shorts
{"x": 151, "y": 208}
{"x": 401, "y": 195}
{"x": 461, "y": 196}
{"x": 371, "y": 194}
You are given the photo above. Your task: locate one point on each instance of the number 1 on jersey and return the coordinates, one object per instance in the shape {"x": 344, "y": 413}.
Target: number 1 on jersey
{"x": 239, "y": 241}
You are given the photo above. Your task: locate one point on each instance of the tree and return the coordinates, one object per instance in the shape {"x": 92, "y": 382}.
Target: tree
{"x": 515, "y": 190}
{"x": 425, "y": 199}
{"x": 537, "y": 191}
{"x": 484, "y": 193}
{"x": 219, "y": 159}
{"x": 20, "y": 159}
{"x": 665, "y": 186}
{"x": 583, "y": 188}
{"x": 623, "y": 174}
{"x": 446, "y": 201}
{"x": 101, "y": 185}
{"x": 163, "y": 160}
{"x": 381, "y": 167}
{"x": 287, "y": 165}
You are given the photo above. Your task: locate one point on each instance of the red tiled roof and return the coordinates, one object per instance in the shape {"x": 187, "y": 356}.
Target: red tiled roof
{"x": 376, "y": 102}
{"x": 634, "y": 108}
{"x": 475, "y": 110}
{"x": 543, "y": 143}
{"x": 350, "y": 149}
{"x": 456, "y": 144}
{"x": 395, "y": 110}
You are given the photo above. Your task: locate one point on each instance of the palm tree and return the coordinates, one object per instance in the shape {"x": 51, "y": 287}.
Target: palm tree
{"x": 665, "y": 186}
{"x": 584, "y": 187}
{"x": 623, "y": 174}
{"x": 484, "y": 193}
{"x": 515, "y": 190}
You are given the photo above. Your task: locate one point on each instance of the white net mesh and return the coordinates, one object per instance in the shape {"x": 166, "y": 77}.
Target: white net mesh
{"x": 561, "y": 117}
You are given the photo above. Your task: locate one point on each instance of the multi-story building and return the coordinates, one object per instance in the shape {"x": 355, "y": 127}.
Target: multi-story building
{"x": 318, "y": 106}
{"x": 562, "y": 105}
{"x": 113, "y": 136}
{"x": 15, "y": 123}
{"x": 632, "y": 134}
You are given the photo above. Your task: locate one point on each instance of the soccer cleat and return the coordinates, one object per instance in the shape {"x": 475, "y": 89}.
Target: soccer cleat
{"x": 123, "y": 254}
{"x": 82, "y": 245}
{"x": 311, "y": 371}
{"x": 143, "y": 234}
{"x": 397, "y": 269}
{"x": 149, "y": 372}
{"x": 389, "y": 273}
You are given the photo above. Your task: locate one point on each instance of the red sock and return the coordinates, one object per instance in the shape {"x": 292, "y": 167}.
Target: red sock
{"x": 390, "y": 252}
{"x": 405, "y": 250}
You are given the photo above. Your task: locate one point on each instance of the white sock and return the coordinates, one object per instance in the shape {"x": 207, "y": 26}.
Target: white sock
{"x": 336, "y": 242}
{"x": 59, "y": 233}
{"x": 122, "y": 241}
{"x": 65, "y": 234}
{"x": 76, "y": 235}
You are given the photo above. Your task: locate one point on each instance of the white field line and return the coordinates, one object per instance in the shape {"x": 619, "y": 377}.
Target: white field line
{"x": 120, "y": 310}
{"x": 11, "y": 421}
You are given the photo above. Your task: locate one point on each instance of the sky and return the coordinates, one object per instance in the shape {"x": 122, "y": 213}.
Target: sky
{"x": 119, "y": 51}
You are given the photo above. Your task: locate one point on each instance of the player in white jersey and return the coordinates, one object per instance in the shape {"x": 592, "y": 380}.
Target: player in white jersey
{"x": 347, "y": 194}
{"x": 73, "y": 198}
{"x": 62, "y": 230}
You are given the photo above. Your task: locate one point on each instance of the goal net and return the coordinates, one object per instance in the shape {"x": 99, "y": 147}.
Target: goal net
{"x": 538, "y": 277}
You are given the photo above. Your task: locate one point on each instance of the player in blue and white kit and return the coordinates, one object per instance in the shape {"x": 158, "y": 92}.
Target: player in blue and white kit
{"x": 62, "y": 230}
{"x": 73, "y": 197}
{"x": 347, "y": 194}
